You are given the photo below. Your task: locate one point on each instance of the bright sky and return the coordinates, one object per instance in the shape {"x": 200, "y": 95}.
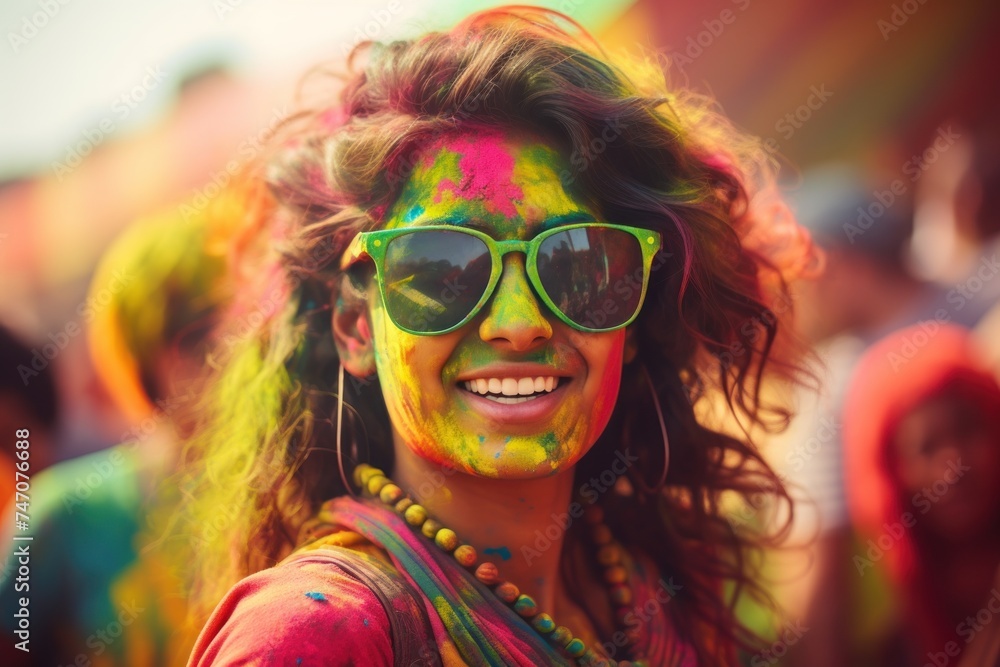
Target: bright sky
{"x": 64, "y": 73}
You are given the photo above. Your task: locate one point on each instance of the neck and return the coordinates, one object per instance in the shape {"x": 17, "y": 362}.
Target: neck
{"x": 513, "y": 523}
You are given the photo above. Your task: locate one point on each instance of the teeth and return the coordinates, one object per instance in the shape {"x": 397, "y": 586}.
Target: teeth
{"x": 511, "y": 390}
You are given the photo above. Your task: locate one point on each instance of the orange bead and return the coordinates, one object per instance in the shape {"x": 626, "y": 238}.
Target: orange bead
{"x": 593, "y": 514}
{"x": 466, "y": 555}
{"x": 601, "y": 534}
{"x": 507, "y": 592}
{"x": 488, "y": 573}
{"x": 609, "y": 554}
{"x": 615, "y": 575}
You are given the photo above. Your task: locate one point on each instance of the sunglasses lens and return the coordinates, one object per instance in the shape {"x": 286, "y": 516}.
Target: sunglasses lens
{"x": 594, "y": 275}
{"x": 433, "y": 279}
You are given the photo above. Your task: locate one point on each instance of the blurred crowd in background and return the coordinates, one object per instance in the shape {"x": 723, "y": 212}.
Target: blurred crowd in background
{"x": 116, "y": 220}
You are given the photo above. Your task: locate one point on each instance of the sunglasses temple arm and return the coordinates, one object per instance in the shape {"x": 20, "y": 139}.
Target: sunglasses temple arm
{"x": 354, "y": 251}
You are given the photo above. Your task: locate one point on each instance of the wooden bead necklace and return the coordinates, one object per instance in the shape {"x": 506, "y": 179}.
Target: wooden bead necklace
{"x": 609, "y": 554}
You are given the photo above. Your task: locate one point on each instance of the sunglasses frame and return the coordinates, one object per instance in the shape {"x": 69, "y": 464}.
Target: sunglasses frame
{"x": 374, "y": 245}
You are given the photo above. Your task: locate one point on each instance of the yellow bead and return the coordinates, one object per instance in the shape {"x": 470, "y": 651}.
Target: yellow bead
{"x": 430, "y": 528}
{"x": 466, "y": 555}
{"x": 543, "y": 623}
{"x": 376, "y": 483}
{"x": 390, "y": 494}
{"x": 364, "y": 472}
{"x": 446, "y": 539}
{"x": 403, "y": 504}
{"x": 415, "y": 515}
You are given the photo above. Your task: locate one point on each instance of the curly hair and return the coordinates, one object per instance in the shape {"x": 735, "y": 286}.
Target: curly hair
{"x": 639, "y": 152}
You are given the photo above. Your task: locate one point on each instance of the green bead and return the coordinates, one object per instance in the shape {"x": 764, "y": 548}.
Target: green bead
{"x": 543, "y": 623}
{"x": 576, "y": 648}
{"x": 561, "y": 636}
{"x": 525, "y": 606}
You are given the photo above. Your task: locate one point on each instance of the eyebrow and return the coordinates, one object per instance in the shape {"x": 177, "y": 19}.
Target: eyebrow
{"x": 477, "y": 224}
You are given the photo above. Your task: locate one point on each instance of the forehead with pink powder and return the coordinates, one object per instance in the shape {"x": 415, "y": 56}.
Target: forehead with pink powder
{"x": 508, "y": 179}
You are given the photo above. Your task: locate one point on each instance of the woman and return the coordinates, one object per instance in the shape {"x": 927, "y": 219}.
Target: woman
{"x": 922, "y": 446}
{"x": 469, "y": 236}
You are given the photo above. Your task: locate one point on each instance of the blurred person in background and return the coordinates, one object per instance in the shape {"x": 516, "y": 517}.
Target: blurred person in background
{"x": 956, "y": 240}
{"x": 97, "y": 596}
{"x": 922, "y": 451}
{"x": 865, "y": 291}
{"x": 29, "y": 402}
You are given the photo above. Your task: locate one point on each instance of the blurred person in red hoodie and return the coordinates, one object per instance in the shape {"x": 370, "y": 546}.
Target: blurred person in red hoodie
{"x": 921, "y": 432}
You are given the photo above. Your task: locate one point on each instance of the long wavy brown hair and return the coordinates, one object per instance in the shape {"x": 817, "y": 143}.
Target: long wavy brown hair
{"x": 263, "y": 459}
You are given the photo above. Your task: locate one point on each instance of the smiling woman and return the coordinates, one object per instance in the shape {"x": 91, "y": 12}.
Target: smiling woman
{"x": 491, "y": 330}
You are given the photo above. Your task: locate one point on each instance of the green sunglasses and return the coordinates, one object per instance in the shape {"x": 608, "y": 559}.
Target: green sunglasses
{"x": 434, "y": 279}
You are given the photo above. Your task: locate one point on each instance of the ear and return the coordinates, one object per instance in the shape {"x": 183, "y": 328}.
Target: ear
{"x": 351, "y": 329}
{"x": 631, "y": 345}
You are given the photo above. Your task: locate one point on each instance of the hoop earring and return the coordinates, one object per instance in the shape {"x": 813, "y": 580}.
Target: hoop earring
{"x": 663, "y": 431}
{"x": 340, "y": 424}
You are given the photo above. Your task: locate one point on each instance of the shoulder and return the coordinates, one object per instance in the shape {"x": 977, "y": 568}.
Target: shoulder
{"x": 310, "y": 610}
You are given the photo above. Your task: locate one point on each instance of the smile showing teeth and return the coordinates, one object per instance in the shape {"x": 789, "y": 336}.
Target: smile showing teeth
{"x": 511, "y": 390}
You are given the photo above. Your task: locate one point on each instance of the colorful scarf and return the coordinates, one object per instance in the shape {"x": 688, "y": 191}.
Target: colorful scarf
{"x": 470, "y": 625}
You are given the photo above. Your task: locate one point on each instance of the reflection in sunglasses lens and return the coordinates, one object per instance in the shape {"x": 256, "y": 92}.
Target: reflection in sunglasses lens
{"x": 434, "y": 278}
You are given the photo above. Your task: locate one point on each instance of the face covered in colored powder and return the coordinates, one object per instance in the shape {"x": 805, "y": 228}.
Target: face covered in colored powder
{"x": 558, "y": 385}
